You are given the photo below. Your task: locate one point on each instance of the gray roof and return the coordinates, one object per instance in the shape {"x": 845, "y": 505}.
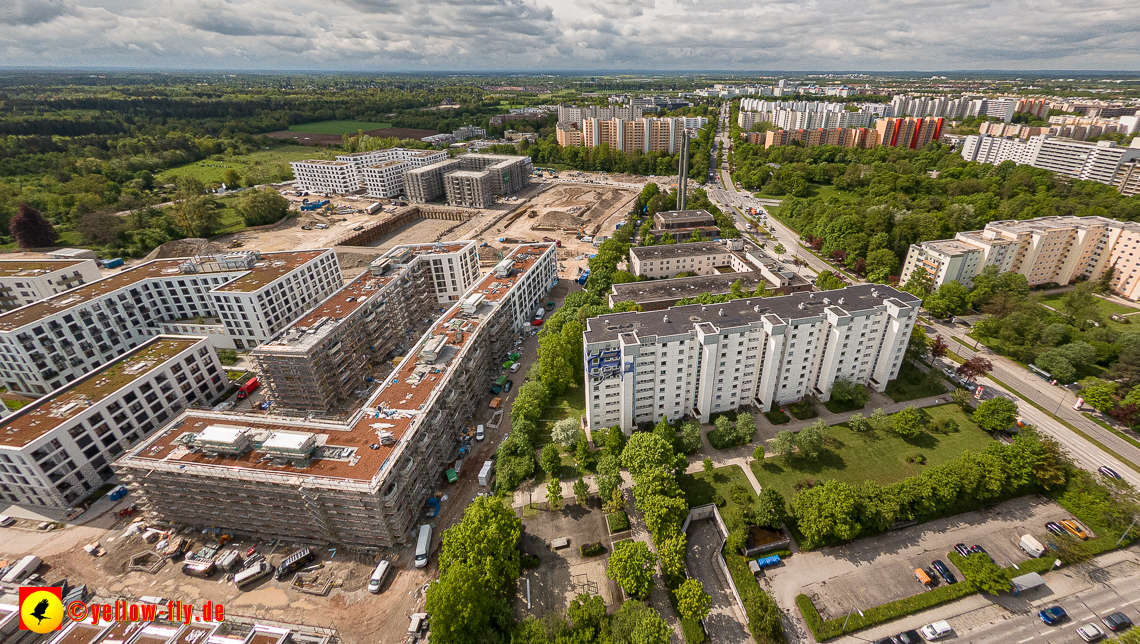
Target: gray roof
{"x": 677, "y": 288}
{"x": 682, "y": 319}
{"x": 671, "y": 215}
{"x": 689, "y": 249}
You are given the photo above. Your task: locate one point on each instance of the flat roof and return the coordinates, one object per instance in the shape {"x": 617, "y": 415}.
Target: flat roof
{"x": 74, "y": 398}
{"x": 325, "y": 162}
{"x": 688, "y": 249}
{"x": 673, "y": 215}
{"x": 683, "y": 319}
{"x": 35, "y": 267}
{"x": 271, "y": 267}
{"x": 951, "y": 247}
{"x": 475, "y": 174}
{"x": 387, "y": 164}
{"x": 395, "y": 407}
{"x": 680, "y": 288}
{"x": 446, "y": 163}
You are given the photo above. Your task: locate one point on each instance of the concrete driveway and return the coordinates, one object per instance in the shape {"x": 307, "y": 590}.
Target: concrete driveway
{"x": 724, "y": 623}
{"x": 876, "y": 570}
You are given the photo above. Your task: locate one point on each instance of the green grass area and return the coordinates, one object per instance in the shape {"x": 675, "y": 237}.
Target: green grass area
{"x": 14, "y": 404}
{"x": 716, "y": 486}
{"x": 878, "y": 456}
{"x": 337, "y": 127}
{"x": 912, "y": 383}
{"x": 619, "y": 522}
{"x": 273, "y": 163}
{"x": 825, "y": 192}
{"x": 571, "y": 404}
{"x": 1106, "y": 307}
{"x": 777, "y": 417}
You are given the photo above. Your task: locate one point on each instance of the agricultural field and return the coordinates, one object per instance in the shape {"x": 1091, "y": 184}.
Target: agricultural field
{"x": 337, "y": 127}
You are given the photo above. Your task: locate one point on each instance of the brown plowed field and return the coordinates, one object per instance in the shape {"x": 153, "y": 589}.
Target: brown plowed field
{"x": 306, "y": 138}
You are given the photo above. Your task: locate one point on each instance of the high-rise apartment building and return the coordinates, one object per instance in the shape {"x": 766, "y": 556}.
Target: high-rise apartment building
{"x": 913, "y": 133}
{"x": 24, "y": 281}
{"x": 1100, "y": 161}
{"x": 571, "y": 114}
{"x": 480, "y": 176}
{"x": 361, "y": 482}
{"x": 644, "y": 134}
{"x": 238, "y": 300}
{"x": 859, "y": 137}
{"x": 57, "y": 450}
{"x": 699, "y": 360}
{"x": 377, "y": 173}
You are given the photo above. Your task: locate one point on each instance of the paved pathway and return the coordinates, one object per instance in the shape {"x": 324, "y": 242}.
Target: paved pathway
{"x": 724, "y": 623}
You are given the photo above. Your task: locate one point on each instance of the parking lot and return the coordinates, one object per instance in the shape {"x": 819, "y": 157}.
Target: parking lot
{"x": 876, "y": 570}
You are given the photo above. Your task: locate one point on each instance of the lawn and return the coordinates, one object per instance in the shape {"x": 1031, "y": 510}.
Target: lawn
{"x": 571, "y": 404}
{"x": 702, "y": 487}
{"x": 912, "y": 383}
{"x": 273, "y": 163}
{"x": 1107, "y": 308}
{"x": 337, "y": 127}
{"x": 878, "y": 456}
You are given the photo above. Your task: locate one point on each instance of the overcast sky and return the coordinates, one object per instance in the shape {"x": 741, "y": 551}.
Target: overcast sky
{"x": 487, "y": 35}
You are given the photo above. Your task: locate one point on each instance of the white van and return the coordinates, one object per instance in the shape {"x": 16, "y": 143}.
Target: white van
{"x": 378, "y": 576}
{"x": 935, "y": 631}
{"x": 539, "y": 313}
{"x": 1031, "y": 546}
{"x": 249, "y": 575}
{"x": 423, "y": 546}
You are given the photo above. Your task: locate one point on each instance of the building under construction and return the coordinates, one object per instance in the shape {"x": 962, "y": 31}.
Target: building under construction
{"x": 364, "y": 482}
{"x": 480, "y": 176}
{"x": 328, "y": 357}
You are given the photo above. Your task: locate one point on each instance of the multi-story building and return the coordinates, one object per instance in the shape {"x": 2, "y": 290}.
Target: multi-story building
{"x": 913, "y": 133}
{"x": 23, "y": 281}
{"x": 1046, "y": 250}
{"x": 57, "y": 450}
{"x": 385, "y": 179}
{"x": 469, "y": 132}
{"x": 996, "y": 129}
{"x": 379, "y": 173}
{"x": 363, "y": 482}
{"x": 571, "y": 114}
{"x": 654, "y": 295}
{"x": 853, "y": 137}
{"x": 569, "y": 135}
{"x": 645, "y": 134}
{"x": 702, "y": 258}
{"x": 239, "y": 300}
{"x": 682, "y": 219}
{"x": 320, "y": 175}
{"x": 324, "y": 358}
{"x": 425, "y": 184}
{"x": 498, "y": 174}
{"x": 1127, "y": 179}
{"x": 1100, "y": 161}
{"x": 698, "y": 360}
{"x": 468, "y": 188}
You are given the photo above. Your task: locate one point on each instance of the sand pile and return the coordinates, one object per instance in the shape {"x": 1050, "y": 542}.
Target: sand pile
{"x": 559, "y": 219}
{"x": 185, "y": 248}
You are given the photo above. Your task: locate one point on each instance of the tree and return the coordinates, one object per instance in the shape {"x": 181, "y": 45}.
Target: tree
{"x": 938, "y": 347}
{"x": 631, "y": 567}
{"x": 950, "y": 299}
{"x": 908, "y": 423}
{"x": 858, "y": 424}
{"x": 707, "y": 464}
{"x": 30, "y": 228}
{"x": 582, "y": 449}
{"x": 917, "y": 346}
{"x": 693, "y": 602}
{"x": 555, "y": 363}
{"x": 194, "y": 212}
{"x": 615, "y": 441}
{"x": 828, "y": 281}
{"x": 779, "y": 250}
{"x": 784, "y": 444}
{"x": 616, "y": 501}
{"x": 827, "y": 512}
{"x": 989, "y": 577}
{"x": 554, "y": 493}
{"x": 879, "y": 418}
{"x": 758, "y": 453}
{"x": 745, "y": 428}
{"x": 1057, "y": 365}
{"x": 663, "y": 515}
{"x": 881, "y": 264}
{"x": 850, "y": 393}
{"x": 102, "y": 228}
{"x": 462, "y": 610}
{"x": 645, "y": 452}
{"x": 974, "y": 368}
{"x": 565, "y": 432}
{"x": 550, "y": 459}
{"x": 1098, "y": 393}
{"x": 485, "y": 541}
{"x": 961, "y": 397}
{"x": 920, "y": 283}
{"x": 260, "y": 207}
{"x": 809, "y": 440}
{"x": 996, "y": 414}
{"x": 672, "y": 553}
{"x": 771, "y": 509}
{"x": 1081, "y": 306}
{"x": 581, "y": 491}
{"x": 689, "y": 440}
{"x": 636, "y": 623}
{"x": 665, "y": 430}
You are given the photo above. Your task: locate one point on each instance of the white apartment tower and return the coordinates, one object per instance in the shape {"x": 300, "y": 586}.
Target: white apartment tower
{"x": 25, "y": 281}
{"x": 698, "y": 360}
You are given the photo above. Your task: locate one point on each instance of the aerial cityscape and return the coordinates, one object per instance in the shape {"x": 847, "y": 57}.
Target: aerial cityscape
{"x": 620, "y": 323}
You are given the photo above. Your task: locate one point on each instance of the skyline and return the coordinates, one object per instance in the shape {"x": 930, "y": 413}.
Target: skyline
{"x": 531, "y": 35}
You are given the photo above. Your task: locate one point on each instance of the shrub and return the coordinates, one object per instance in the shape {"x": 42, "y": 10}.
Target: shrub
{"x": 803, "y": 410}
{"x": 777, "y": 417}
{"x": 529, "y": 561}
{"x": 764, "y": 616}
{"x": 689, "y": 440}
{"x": 592, "y": 549}
{"x": 619, "y": 522}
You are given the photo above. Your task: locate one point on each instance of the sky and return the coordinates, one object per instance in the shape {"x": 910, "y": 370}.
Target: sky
{"x": 553, "y": 35}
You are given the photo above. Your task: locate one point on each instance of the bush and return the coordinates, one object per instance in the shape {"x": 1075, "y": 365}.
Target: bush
{"x": 872, "y": 616}
{"x": 803, "y": 410}
{"x": 529, "y": 561}
{"x": 764, "y": 617}
{"x": 592, "y": 549}
{"x": 619, "y": 522}
{"x": 777, "y": 417}
{"x": 689, "y": 440}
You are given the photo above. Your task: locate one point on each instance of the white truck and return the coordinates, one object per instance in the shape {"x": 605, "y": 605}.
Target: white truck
{"x": 487, "y": 474}
{"x": 22, "y": 569}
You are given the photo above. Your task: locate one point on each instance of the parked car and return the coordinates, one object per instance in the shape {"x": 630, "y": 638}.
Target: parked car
{"x": 1117, "y": 621}
{"x": 944, "y": 570}
{"x": 975, "y": 549}
{"x": 6, "y": 521}
{"x": 1053, "y": 615}
{"x": 1108, "y": 471}
{"x": 507, "y": 385}
{"x": 1090, "y": 632}
{"x": 962, "y": 549}
{"x": 936, "y": 631}
{"x": 1055, "y": 528}
{"x": 358, "y": 229}
{"x": 1074, "y": 528}
{"x": 479, "y": 434}
{"x": 908, "y": 637}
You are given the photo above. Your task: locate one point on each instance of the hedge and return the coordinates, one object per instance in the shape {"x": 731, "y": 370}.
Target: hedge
{"x": 619, "y": 522}
{"x": 764, "y": 617}
{"x": 872, "y": 616}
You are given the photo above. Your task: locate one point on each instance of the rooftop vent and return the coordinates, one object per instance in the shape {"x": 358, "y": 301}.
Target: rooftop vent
{"x": 840, "y": 301}
{"x": 666, "y": 319}
{"x": 720, "y": 312}
{"x": 874, "y": 292}
{"x": 802, "y": 306}
{"x": 811, "y": 296}
{"x": 294, "y": 446}
{"x": 224, "y": 439}
{"x": 827, "y": 301}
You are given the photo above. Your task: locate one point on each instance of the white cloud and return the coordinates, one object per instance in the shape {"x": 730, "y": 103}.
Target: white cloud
{"x": 475, "y": 35}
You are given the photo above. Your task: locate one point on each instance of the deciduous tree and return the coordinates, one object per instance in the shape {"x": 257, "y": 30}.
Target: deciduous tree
{"x": 996, "y": 414}
{"x": 30, "y": 228}
{"x": 908, "y": 423}
{"x": 693, "y": 602}
{"x": 485, "y": 542}
{"x": 827, "y": 512}
{"x": 809, "y": 440}
{"x": 984, "y": 573}
{"x": 551, "y": 459}
{"x": 784, "y": 444}
{"x": 974, "y": 368}
{"x": 260, "y": 207}
{"x": 631, "y": 567}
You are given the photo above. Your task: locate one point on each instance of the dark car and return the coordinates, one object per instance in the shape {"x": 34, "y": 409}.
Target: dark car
{"x": 975, "y": 549}
{"x": 1055, "y": 528}
{"x": 908, "y": 637}
{"x": 1053, "y": 615}
{"x": 507, "y": 385}
{"x": 1108, "y": 471}
{"x": 1117, "y": 621}
{"x": 943, "y": 570}
{"x": 962, "y": 549}
{"x": 886, "y": 640}
{"x": 358, "y": 228}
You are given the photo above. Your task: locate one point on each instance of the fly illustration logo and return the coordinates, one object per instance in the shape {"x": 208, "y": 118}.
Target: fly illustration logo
{"x": 41, "y": 609}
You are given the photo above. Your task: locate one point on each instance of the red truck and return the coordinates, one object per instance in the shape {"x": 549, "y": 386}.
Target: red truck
{"x": 247, "y": 388}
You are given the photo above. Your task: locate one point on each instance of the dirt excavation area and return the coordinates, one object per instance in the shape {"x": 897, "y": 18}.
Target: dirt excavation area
{"x": 134, "y": 566}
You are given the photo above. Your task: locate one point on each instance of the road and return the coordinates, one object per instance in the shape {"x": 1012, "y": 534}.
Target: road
{"x": 1087, "y": 593}
{"x": 1057, "y": 400}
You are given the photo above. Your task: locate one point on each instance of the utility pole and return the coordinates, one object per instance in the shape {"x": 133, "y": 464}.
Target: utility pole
{"x": 683, "y": 169}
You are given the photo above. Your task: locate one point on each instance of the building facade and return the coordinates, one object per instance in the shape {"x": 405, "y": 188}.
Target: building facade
{"x": 1100, "y": 161}
{"x": 23, "y": 282}
{"x": 913, "y": 133}
{"x": 698, "y": 360}
{"x": 644, "y": 134}
{"x": 480, "y": 177}
{"x": 242, "y": 298}
{"x": 57, "y": 450}
{"x": 363, "y": 482}
{"x": 378, "y": 173}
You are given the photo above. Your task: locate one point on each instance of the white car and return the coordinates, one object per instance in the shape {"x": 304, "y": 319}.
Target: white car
{"x": 1090, "y": 632}
{"x": 479, "y": 435}
{"x": 6, "y": 521}
{"x": 935, "y": 631}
